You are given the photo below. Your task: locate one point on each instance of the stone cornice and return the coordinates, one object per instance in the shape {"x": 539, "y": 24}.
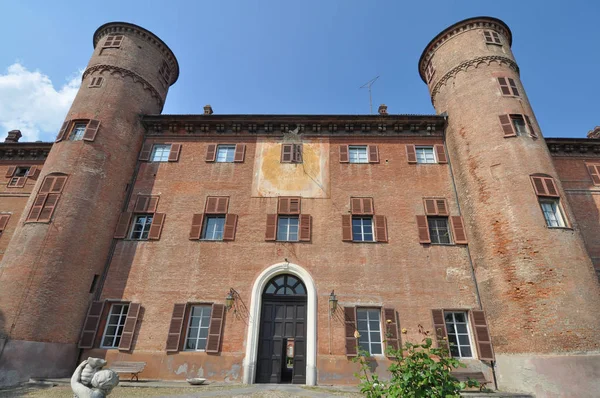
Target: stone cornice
{"x": 126, "y": 72}
{"x": 37, "y": 152}
{"x": 574, "y": 147}
{"x": 125, "y": 27}
{"x": 457, "y": 28}
{"x": 476, "y": 62}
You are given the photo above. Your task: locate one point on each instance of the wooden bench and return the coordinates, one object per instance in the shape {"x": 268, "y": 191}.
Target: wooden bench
{"x": 477, "y": 376}
{"x": 128, "y": 367}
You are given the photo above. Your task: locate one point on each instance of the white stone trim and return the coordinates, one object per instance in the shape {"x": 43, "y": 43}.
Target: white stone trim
{"x": 254, "y": 320}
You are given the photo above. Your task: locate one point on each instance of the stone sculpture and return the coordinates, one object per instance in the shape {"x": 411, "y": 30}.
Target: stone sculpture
{"x": 91, "y": 381}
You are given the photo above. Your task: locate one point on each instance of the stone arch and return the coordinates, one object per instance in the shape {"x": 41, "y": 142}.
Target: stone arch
{"x": 254, "y": 320}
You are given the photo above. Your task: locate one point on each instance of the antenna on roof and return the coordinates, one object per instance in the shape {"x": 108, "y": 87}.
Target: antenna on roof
{"x": 368, "y": 85}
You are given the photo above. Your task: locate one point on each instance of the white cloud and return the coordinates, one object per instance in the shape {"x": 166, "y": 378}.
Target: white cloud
{"x": 29, "y": 102}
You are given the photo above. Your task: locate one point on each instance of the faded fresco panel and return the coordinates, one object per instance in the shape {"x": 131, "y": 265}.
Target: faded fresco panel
{"x": 309, "y": 179}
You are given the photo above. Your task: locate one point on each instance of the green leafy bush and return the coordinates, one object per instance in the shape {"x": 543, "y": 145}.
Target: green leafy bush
{"x": 417, "y": 370}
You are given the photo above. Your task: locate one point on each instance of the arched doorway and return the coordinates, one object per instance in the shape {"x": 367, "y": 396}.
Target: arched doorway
{"x": 282, "y": 335}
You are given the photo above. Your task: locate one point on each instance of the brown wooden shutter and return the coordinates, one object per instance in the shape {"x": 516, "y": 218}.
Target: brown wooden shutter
{"x": 367, "y": 206}
{"x": 439, "y": 327}
{"x": 90, "y": 327}
{"x": 59, "y": 184}
{"x": 240, "y": 153}
{"x": 49, "y": 206}
{"x": 174, "y": 153}
{"x": 211, "y": 152}
{"x": 441, "y": 154}
{"x": 33, "y": 173}
{"x": 297, "y": 158}
{"x": 305, "y": 227}
{"x": 129, "y": 328}
{"x": 356, "y": 206}
{"x": 271, "y": 233}
{"x": 196, "y": 231}
{"x": 488, "y": 36}
{"x": 63, "y": 131}
{"x": 482, "y": 336}
{"x": 496, "y": 38}
{"x": 373, "y": 154}
{"x": 530, "y": 126}
{"x": 503, "y": 86}
{"x": 458, "y": 230}
{"x": 507, "y": 126}
{"x": 350, "y": 329}
{"x": 215, "y": 330}
{"x": 47, "y": 184}
{"x": 145, "y": 152}
{"x": 344, "y": 157}
{"x": 347, "y": 227}
{"x": 411, "y": 154}
{"x": 37, "y": 206}
{"x": 391, "y": 328}
{"x": 152, "y": 204}
{"x": 230, "y": 226}
{"x": 513, "y": 87}
{"x": 222, "y": 205}
{"x": 10, "y": 171}
{"x": 430, "y": 207}
{"x": 423, "y": 227}
{"x": 545, "y": 186}
{"x": 122, "y": 225}
{"x": 3, "y": 221}
{"x": 551, "y": 187}
{"x": 141, "y": 204}
{"x": 175, "y": 327}
{"x": 594, "y": 171}
{"x": 20, "y": 182}
{"x": 158, "y": 220}
{"x": 380, "y": 228}
{"x": 91, "y": 130}
{"x": 211, "y": 205}
{"x": 286, "y": 153}
{"x": 283, "y": 205}
{"x": 442, "y": 207}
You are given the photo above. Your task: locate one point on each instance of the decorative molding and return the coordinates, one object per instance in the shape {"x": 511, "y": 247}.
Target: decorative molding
{"x": 582, "y": 147}
{"x": 126, "y": 72}
{"x": 463, "y": 66}
{"x": 16, "y": 154}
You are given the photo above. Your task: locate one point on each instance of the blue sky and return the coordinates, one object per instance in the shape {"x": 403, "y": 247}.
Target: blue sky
{"x": 296, "y": 56}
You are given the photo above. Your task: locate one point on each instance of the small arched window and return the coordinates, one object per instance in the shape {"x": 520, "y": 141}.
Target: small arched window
{"x": 285, "y": 285}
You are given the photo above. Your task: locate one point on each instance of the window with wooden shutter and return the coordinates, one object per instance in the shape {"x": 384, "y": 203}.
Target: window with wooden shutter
{"x": 145, "y": 152}
{"x": 196, "y": 230}
{"x": 63, "y": 131}
{"x": 36, "y": 208}
{"x": 10, "y": 171}
{"x": 297, "y": 156}
{"x": 240, "y": 153}
{"x": 215, "y": 330}
{"x": 392, "y": 336}
{"x": 435, "y": 206}
{"x": 594, "y": 170}
{"x": 216, "y": 205}
{"x": 47, "y": 199}
{"x": 347, "y": 227}
{"x": 482, "y": 336}
{"x": 439, "y": 327}
{"x": 491, "y": 37}
{"x": 271, "y": 232}
{"x": 230, "y": 226}
{"x": 504, "y": 86}
{"x": 441, "y": 154}
{"x": 411, "y": 154}
{"x": 344, "y": 157}
{"x": 122, "y": 226}
{"x": 33, "y": 173}
{"x": 175, "y": 327}
{"x": 373, "y": 154}
{"x": 49, "y": 206}
{"x": 288, "y": 205}
{"x": 90, "y": 326}
{"x": 91, "y": 130}
{"x": 129, "y": 327}
{"x": 211, "y": 153}
{"x": 532, "y": 131}
{"x": 507, "y": 126}
{"x": 3, "y": 221}
{"x": 508, "y": 86}
{"x": 458, "y": 230}
{"x": 423, "y": 228}
{"x": 287, "y": 151}
{"x": 544, "y": 186}
{"x": 157, "y": 226}
{"x": 380, "y": 228}
{"x": 146, "y": 204}
{"x": 174, "y": 153}
{"x": 513, "y": 87}
{"x": 305, "y": 228}
{"x": 350, "y": 330}
{"x": 361, "y": 206}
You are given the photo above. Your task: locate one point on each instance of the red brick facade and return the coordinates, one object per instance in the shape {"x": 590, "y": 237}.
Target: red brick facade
{"x": 536, "y": 284}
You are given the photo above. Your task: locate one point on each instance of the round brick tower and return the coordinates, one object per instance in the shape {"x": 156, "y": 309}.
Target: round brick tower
{"x": 48, "y": 271}
{"x": 537, "y": 284}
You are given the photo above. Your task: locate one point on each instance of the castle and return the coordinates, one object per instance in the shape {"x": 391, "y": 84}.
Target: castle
{"x": 252, "y": 248}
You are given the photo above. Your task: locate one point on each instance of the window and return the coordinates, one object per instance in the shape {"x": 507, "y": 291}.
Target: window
{"x": 438, "y": 230}
{"x": 358, "y": 154}
{"x": 519, "y": 124}
{"x": 552, "y": 213}
{"x": 369, "y": 328}
{"x": 213, "y": 228}
{"x": 291, "y": 153}
{"x": 141, "y": 227}
{"x": 96, "y": 82}
{"x": 425, "y": 154}
{"x": 165, "y": 72}
{"x": 160, "y": 153}
{"x": 459, "y": 335}
{"x": 114, "y": 326}
{"x": 508, "y": 86}
{"x": 491, "y": 37}
{"x": 362, "y": 229}
{"x": 594, "y": 170}
{"x": 287, "y": 229}
{"x": 429, "y": 72}
{"x": 113, "y": 41}
{"x": 77, "y": 131}
{"x": 47, "y": 198}
{"x": 18, "y": 178}
{"x": 225, "y": 153}
{"x": 197, "y": 331}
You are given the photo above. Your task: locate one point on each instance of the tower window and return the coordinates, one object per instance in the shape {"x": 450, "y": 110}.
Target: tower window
{"x": 114, "y": 326}
{"x": 165, "y": 72}
{"x": 362, "y": 229}
{"x": 491, "y": 37}
{"x": 160, "y": 153}
{"x": 369, "y": 327}
{"x": 438, "y": 230}
{"x": 197, "y": 332}
{"x": 508, "y": 86}
{"x": 113, "y": 41}
{"x": 425, "y": 154}
{"x": 358, "y": 154}
{"x": 519, "y": 124}
{"x": 552, "y": 213}
{"x": 429, "y": 72}
{"x": 213, "y": 228}
{"x": 96, "y": 82}
{"x": 225, "y": 153}
{"x": 459, "y": 335}
{"x": 141, "y": 227}
{"x": 77, "y": 131}
{"x": 287, "y": 228}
